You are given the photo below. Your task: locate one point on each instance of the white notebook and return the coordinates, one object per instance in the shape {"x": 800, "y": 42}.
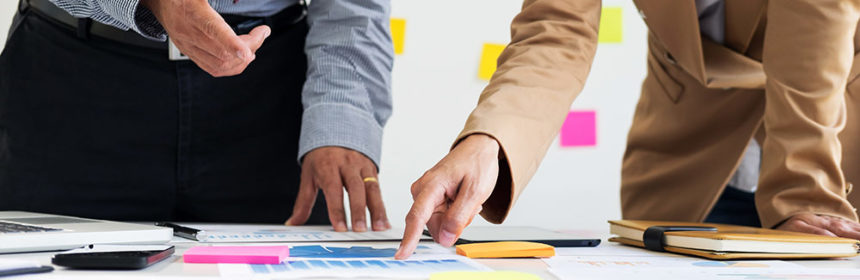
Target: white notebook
{"x": 278, "y": 233}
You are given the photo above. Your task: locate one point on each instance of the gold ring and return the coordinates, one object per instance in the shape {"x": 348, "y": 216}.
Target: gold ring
{"x": 370, "y": 179}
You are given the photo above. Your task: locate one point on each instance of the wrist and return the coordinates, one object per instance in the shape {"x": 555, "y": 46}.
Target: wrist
{"x": 149, "y": 4}
{"x": 483, "y": 142}
{"x": 154, "y": 6}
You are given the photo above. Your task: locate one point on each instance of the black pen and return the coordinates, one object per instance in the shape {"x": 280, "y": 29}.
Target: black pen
{"x": 181, "y": 231}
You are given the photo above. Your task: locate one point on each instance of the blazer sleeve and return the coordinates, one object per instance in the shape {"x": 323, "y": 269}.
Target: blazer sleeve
{"x": 539, "y": 74}
{"x": 808, "y": 52}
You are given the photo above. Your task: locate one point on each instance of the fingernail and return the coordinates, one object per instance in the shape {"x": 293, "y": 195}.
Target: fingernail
{"x": 268, "y": 32}
{"x": 379, "y": 224}
{"x": 400, "y": 254}
{"x": 340, "y": 226}
{"x": 359, "y": 226}
{"x": 446, "y": 238}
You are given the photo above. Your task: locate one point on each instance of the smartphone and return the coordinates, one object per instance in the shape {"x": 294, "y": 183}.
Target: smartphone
{"x": 480, "y": 234}
{"x": 113, "y": 257}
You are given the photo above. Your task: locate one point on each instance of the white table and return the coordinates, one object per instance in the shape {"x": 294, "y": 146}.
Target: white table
{"x": 174, "y": 267}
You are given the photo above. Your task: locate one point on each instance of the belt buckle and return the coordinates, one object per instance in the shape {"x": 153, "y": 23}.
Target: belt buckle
{"x": 173, "y": 53}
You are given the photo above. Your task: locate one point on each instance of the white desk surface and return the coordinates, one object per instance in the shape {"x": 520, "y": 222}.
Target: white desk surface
{"x": 174, "y": 268}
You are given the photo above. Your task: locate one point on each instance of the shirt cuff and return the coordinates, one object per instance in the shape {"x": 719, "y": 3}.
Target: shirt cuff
{"x": 147, "y": 25}
{"x": 137, "y": 18}
{"x": 343, "y": 126}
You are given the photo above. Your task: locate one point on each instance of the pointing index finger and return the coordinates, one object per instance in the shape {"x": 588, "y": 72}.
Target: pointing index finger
{"x": 417, "y": 217}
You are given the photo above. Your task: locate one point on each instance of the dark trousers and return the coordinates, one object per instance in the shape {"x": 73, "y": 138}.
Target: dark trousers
{"x": 96, "y": 128}
{"x": 735, "y": 207}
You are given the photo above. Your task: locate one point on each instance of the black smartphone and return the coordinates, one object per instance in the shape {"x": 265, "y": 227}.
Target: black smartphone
{"x": 115, "y": 259}
{"x": 480, "y": 234}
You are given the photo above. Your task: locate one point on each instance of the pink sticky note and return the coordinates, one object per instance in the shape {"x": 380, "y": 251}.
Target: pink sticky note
{"x": 579, "y": 129}
{"x": 237, "y": 254}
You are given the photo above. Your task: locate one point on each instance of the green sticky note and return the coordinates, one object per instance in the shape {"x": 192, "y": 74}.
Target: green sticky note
{"x": 489, "y": 56}
{"x": 611, "y": 26}
{"x": 495, "y": 275}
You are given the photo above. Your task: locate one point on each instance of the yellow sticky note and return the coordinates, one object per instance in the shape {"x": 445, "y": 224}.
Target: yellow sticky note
{"x": 506, "y": 249}
{"x": 495, "y": 275}
{"x": 489, "y": 56}
{"x": 398, "y": 33}
{"x": 611, "y": 26}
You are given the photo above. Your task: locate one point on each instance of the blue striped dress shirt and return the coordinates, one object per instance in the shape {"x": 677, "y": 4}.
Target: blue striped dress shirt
{"x": 712, "y": 24}
{"x": 347, "y": 94}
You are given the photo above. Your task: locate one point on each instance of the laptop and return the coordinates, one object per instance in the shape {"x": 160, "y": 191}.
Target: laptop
{"x": 33, "y": 232}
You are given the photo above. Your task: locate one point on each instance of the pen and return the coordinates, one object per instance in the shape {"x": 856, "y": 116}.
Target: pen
{"x": 180, "y": 231}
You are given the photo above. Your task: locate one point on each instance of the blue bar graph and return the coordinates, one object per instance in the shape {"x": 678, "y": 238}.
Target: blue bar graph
{"x": 260, "y": 268}
{"x": 337, "y": 264}
{"x": 357, "y": 264}
{"x": 361, "y": 265}
{"x": 318, "y": 263}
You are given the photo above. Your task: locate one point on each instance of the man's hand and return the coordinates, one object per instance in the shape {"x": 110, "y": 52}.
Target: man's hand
{"x": 331, "y": 169}
{"x": 203, "y": 35}
{"x": 451, "y": 193}
{"x": 822, "y": 225}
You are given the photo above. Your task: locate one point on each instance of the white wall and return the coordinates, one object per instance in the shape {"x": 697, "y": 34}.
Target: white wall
{"x": 7, "y": 11}
{"x": 436, "y": 86}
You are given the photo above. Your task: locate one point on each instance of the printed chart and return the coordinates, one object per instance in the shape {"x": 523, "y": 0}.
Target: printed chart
{"x": 355, "y": 261}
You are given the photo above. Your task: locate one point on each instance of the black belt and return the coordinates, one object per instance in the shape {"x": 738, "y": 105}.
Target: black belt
{"x": 85, "y": 27}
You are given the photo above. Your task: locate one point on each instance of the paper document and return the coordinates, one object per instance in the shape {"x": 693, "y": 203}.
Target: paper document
{"x": 679, "y": 267}
{"x": 13, "y": 264}
{"x": 616, "y": 262}
{"x": 702, "y": 274}
{"x": 277, "y": 233}
{"x": 355, "y": 262}
{"x": 610, "y": 249}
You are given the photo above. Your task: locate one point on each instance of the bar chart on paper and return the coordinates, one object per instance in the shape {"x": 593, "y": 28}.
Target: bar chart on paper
{"x": 351, "y": 268}
{"x": 355, "y": 261}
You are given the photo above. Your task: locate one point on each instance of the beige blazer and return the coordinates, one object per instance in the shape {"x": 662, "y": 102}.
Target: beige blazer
{"x": 701, "y": 104}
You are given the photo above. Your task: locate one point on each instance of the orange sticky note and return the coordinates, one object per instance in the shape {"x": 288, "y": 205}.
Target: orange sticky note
{"x": 489, "y": 56}
{"x": 398, "y": 34}
{"x": 506, "y": 249}
{"x": 610, "y": 26}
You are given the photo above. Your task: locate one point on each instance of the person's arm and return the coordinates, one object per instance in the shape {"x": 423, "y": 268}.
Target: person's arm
{"x": 122, "y": 14}
{"x": 808, "y": 53}
{"x": 196, "y": 29}
{"x": 518, "y": 115}
{"x": 347, "y": 100}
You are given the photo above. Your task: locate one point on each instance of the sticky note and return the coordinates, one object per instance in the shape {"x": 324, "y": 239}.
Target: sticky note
{"x": 489, "y": 56}
{"x": 398, "y": 34}
{"x": 495, "y": 275}
{"x": 237, "y": 254}
{"x": 506, "y": 249}
{"x": 579, "y": 129}
{"x": 611, "y": 26}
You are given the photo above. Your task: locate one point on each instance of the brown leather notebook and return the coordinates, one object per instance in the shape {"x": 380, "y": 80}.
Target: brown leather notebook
{"x": 719, "y": 241}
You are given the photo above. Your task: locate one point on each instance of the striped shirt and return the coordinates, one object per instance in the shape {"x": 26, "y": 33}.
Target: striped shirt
{"x": 347, "y": 94}
{"x": 712, "y": 24}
